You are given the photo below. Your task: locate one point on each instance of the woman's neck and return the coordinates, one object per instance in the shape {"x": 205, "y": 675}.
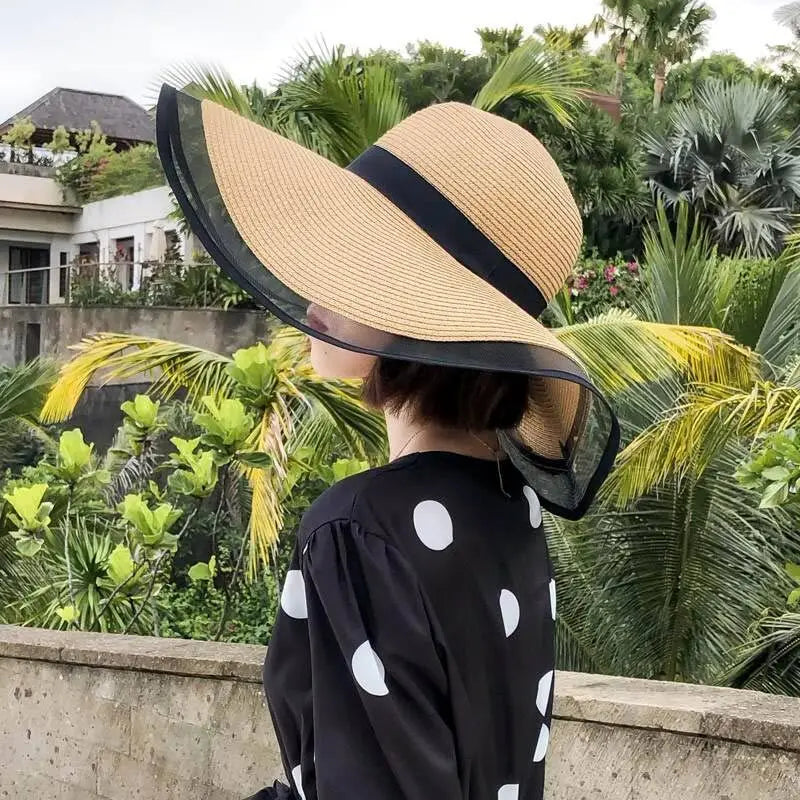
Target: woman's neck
{"x": 407, "y": 436}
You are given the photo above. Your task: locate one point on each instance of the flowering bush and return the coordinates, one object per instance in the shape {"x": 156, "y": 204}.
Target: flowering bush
{"x": 598, "y": 284}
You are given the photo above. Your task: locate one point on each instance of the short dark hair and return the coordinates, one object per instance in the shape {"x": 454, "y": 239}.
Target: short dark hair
{"x": 451, "y": 397}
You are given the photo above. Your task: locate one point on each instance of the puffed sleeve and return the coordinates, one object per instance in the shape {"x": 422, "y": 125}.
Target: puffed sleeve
{"x": 379, "y": 691}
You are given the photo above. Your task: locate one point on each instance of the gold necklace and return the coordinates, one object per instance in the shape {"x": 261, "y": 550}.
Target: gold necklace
{"x": 495, "y": 453}
{"x": 408, "y": 442}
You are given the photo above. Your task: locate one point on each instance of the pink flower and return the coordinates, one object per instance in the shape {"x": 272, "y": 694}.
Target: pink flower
{"x": 633, "y": 266}
{"x": 614, "y": 290}
{"x": 581, "y": 283}
{"x": 610, "y": 272}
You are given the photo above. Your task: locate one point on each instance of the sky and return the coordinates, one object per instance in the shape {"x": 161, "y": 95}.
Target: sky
{"x": 128, "y": 47}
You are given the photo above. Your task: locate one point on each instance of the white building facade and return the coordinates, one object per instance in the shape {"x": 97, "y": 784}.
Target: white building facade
{"x": 42, "y": 235}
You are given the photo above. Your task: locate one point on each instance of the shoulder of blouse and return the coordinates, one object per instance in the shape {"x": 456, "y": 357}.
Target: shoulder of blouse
{"x": 348, "y": 499}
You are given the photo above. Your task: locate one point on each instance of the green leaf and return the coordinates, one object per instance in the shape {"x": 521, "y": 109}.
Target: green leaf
{"x": 252, "y": 368}
{"x": 255, "y": 459}
{"x": 227, "y": 421}
{"x": 120, "y": 564}
{"x": 779, "y": 473}
{"x": 67, "y": 613}
{"x": 28, "y": 546}
{"x": 793, "y": 571}
{"x": 31, "y": 513}
{"x": 200, "y": 572}
{"x": 345, "y": 467}
{"x": 142, "y": 410}
{"x": 74, "y": 454}
{"x": 152, "y": 525}
{"x": 776, "y": 494}
{"x": 794, "y": 598}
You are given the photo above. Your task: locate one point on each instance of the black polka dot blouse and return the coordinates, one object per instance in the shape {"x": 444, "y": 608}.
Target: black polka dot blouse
{"x": 413, "y": 654}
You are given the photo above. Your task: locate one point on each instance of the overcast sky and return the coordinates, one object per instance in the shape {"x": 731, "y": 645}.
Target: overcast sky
{"x": 125, "y": 47}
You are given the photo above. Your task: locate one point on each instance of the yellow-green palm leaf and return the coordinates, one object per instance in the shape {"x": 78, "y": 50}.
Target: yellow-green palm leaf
{"x": 688, "y": 437}
{"x": 620, "y": 351}
{"x": 299, "y": 409}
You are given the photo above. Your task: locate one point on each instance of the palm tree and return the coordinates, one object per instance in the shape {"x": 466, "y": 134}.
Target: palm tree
{"x": 789, "y": 15}
{"x": 671, "y": 30}
{"x": 338, "y": 104}
{"x": 727, "y": 153}
{"x": 295, "y": 410}
{"x": 620, "y": 18}
{"x": 557, "y": 37}
{"x": 677, "y": 562}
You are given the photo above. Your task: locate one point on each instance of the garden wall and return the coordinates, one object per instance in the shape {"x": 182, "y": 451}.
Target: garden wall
{"x": 89, "y": 717}
{"x": 59, "y": 327}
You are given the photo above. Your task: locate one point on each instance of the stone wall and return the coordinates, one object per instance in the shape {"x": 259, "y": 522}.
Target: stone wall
{"x": 93, "y": 717}
{"x": 63, "y": 326}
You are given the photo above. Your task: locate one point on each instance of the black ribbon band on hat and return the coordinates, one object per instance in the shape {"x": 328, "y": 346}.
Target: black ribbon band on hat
{"x": 446, "y": 225}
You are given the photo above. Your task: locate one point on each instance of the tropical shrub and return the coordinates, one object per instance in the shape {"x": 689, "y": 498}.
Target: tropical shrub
{"x": 598, "y": 284}
{"x": 727, "y": 153}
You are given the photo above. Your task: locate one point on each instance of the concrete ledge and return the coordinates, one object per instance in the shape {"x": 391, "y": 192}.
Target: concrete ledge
{"x": 139, "y": 653}
{"x": 109, "y": 717}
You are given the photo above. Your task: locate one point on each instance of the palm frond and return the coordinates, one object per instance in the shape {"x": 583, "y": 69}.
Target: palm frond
{"x": 537, "y": 75}
{"x": 770, "y": 660}
{"x": 105, "y": 357}
{"x": 23, "y": 388}
{"x": 659, "y": 584}
{"x": 212, "y": 82}
{"x": 348, "y": 102}
{"x": 619, "y": 350}
{"x": 687, "y": 439}
{"x": 681, "y": 271}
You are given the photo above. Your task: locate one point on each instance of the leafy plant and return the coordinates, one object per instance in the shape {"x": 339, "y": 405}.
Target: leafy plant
{"x": 30, "y": 515}
{"x": 775, "y": 471}
{"x": 727, "y": 153}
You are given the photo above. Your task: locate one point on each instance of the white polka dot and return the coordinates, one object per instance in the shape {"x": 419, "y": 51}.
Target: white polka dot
{"x": 509, "y": 608}
{"x": 534, "y": 505}
{"x": 293, "y": 596}
{"x": 543, "y": 694}
{"x": 298, "y": 782}
{"x": 553, "y": 598}
{"x": 541, "y": 745}
{"x": 368, "y": 670}
{"x": 508, "y": 792}
{"x": 433, "y": 525}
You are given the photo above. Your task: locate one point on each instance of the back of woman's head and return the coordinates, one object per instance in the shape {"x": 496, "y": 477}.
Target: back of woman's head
{"x": 450, "y": 397}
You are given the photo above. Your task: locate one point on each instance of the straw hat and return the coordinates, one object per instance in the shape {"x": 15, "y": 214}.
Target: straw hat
{"x": 446, "y": 239}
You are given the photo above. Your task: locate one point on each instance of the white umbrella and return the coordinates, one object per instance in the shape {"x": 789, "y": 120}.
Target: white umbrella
{"x": 158, "y": 245}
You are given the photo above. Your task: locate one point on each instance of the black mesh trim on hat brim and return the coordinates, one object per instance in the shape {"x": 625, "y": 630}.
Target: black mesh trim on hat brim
{"x": 566, "y": 486}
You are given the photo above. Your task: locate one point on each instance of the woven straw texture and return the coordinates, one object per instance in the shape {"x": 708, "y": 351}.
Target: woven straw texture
{"x": 335, "y": 240}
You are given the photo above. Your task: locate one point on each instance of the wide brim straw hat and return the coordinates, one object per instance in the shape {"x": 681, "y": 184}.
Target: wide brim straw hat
{"x": 445, "y": 240}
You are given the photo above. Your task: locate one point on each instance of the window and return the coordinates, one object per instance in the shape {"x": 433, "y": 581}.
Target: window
{"x": 63, "y": 274}
{"x": 28, "y": 275}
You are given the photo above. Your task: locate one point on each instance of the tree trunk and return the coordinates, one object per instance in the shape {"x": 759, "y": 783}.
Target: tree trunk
{"x": 622, "y": 63}
{"x": 659, "y": 83}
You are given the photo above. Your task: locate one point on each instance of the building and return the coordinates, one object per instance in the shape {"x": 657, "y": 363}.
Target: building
{"x": 124, "y": 122}
{"x": 43, "y": 233}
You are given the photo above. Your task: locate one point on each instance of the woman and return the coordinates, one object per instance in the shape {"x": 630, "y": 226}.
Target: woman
{"x": 413, "y": 655}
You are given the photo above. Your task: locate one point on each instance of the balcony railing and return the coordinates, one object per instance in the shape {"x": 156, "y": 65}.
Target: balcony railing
{"x": 197, "y": 284}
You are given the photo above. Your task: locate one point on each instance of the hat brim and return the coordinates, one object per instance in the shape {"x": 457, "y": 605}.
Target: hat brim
{"x": 292, "y": 228}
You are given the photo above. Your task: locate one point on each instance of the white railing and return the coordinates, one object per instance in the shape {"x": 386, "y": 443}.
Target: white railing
{"x": 195, "y": 284}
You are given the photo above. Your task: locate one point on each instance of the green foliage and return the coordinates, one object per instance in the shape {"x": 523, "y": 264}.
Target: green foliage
{"x": 203, "y": 571}
{"x": 775, "y": 470}
{"x": 598, "y": 284}
{"x": 340, "y": 469}
{"x": 197, "y": 472}
{"x": 793, "y": 571}
{"x": 99, "y": 171}
{"x": 60, "y": 142}
{"x": 728, "y": 154}
{"x": 30, "y": 515}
